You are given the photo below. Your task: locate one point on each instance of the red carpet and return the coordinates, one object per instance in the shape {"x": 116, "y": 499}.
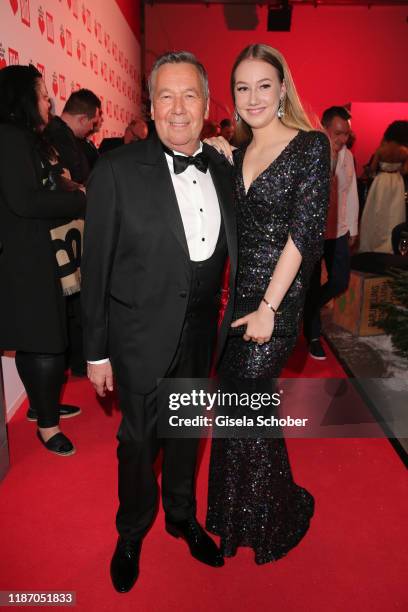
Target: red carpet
{"x": 57, "y": 526}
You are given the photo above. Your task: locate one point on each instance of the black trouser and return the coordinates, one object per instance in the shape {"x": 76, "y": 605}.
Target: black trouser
{"x": 139, "y": 446}
{"x": 337, "y": 258}
{"x": 75, "y": 352}
{"x": 42, "y": 375}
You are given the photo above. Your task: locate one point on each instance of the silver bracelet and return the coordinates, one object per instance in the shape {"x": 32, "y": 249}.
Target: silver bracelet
{"x": 269, "y": 305}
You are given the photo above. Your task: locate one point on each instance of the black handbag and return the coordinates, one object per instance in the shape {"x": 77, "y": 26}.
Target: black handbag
{"x": 287, "y": 317}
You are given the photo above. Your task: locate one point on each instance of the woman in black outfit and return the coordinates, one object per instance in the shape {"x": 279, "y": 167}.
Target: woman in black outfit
{"x": 282, "y": 177}
{"x": 32, "y": 201}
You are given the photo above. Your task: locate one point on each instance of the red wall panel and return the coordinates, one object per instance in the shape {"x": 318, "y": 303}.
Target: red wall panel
{"x": 337, "y": 54}
{"x": 131, "y": 12}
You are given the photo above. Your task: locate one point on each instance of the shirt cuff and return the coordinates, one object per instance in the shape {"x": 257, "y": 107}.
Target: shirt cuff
{"x": 99, "y": 361}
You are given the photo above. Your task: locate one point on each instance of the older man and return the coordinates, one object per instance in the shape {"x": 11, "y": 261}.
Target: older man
{"x": 159, "y": 226}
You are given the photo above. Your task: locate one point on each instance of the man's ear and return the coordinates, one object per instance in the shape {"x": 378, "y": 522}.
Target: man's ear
{"x": 207, "y": 109}
{"x": 152, "y": 110}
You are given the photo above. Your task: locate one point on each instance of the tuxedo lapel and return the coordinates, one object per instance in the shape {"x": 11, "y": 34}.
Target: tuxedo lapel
{"x": 165, "y": 198}
{"x": 222, "y": 179}
{"x": 162, "y": 189}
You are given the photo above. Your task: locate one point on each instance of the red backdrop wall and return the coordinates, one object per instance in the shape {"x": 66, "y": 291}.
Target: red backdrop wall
{"x": 337, "y": 54}
{"x": 131, "y": 12}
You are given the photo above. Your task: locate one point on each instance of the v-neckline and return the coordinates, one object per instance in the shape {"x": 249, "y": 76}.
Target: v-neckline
{"x": 246, "y": 191}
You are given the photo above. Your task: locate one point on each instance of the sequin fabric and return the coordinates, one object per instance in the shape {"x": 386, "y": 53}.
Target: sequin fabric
{"x": 252, "y": 499}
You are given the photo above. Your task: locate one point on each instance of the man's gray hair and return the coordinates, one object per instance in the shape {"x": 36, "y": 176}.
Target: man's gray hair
{"x": 179, "y": 57}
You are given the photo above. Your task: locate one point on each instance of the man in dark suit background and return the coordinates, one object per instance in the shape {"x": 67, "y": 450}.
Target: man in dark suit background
{"x": 82, "y": 111}
{"x": 136, "y": 130}
{"x": 159, "y": 225}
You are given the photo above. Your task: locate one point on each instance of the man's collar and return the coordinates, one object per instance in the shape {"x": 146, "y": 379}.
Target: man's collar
{"x": 199, "y": 150}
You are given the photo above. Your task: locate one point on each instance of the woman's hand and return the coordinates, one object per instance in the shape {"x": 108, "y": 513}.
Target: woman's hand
{"x": 259, "y": 325}
{"x": 222, "y": 146}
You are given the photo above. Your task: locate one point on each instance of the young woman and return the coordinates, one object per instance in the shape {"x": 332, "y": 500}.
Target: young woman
{"x": 34, "y": 197}
{"x": 282, "y": 175}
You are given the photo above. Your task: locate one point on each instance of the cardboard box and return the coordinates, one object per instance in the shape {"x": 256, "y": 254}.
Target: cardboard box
{"x": 356, "y": 310}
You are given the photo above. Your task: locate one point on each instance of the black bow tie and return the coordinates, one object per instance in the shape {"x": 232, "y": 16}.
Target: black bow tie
{"x": 181, "y": 162}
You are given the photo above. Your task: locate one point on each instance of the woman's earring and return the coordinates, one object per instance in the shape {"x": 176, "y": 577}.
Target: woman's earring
{"x": 236, "y": 116}
{"x": 281, "y": 108}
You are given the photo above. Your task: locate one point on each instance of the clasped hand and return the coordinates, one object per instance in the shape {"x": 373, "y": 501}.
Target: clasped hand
{"x": 259, "y": 325}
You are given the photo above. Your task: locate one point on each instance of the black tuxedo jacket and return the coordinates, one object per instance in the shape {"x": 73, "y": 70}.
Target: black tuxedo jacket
{"x": 136, "y": 268}
{"x": 108, "y": 144}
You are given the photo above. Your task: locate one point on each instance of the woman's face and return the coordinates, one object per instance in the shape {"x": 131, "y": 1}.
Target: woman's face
{"x": 43, "y": 102}
{"x": 257, "y": 92}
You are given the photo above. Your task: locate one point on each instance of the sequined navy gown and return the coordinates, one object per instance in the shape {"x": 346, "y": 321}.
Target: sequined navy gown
{"x": 253, "y": 500}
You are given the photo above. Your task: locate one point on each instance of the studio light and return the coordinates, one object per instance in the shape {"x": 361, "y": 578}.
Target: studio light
{"x": 279, "y": 18}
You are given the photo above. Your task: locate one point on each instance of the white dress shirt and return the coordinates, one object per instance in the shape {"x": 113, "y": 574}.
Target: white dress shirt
{"x": 199, "y": 210}
{"x": 343, "y": 208}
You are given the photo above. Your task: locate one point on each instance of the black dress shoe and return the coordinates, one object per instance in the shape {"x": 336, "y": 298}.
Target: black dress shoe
{"x": 58, "y": 444}
{"x": 66, "y": 411}
{"x": 201, "y": 546}
{"x": 124, "y": 567}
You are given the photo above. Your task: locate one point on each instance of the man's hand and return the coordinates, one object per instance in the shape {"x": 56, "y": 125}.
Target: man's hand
{"x": 353, "y": 241}
{"x": 101, "y": 377}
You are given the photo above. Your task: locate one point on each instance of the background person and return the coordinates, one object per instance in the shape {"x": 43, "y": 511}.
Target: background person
{"x": 341, "y": 230}
{"x": 385, "y": 206}
{"x": 136, "y": 130}
{"x": 33, "y": 200}
{"x": 80, "y": 116}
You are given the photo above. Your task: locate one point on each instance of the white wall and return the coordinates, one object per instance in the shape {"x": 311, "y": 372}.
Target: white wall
{"x": 13, "y": 387}
{"x": 76, "y": 44}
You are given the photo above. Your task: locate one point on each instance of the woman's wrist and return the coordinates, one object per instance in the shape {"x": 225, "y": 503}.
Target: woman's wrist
{"x": 269, "y": 305}
{"x": 265, "y": 306}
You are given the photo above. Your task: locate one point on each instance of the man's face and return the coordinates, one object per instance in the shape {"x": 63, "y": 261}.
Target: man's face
{"x": 137, "y": 130}
{"x": 84, "y": 125}
{"x": 179, "y": 106}
{"x": 338, "y": 131}
{"x": 98, "y": 121}
{"x": 44, "y": 104}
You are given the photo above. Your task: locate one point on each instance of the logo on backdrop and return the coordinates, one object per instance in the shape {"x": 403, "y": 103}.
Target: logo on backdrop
{"x": 62, "y": 36}
{"x": 25, "y": 12}
{"x": 14, "y": 57}
{"x": 50, "y": 27}
{"x": 41, "y": 22}
{"x": 14, "y": 6}
{"x": 68, "y": 36}
{"x": 3, "y": 62}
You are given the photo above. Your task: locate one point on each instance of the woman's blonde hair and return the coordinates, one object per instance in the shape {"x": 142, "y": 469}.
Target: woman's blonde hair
{"x": 295, "y": 115}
